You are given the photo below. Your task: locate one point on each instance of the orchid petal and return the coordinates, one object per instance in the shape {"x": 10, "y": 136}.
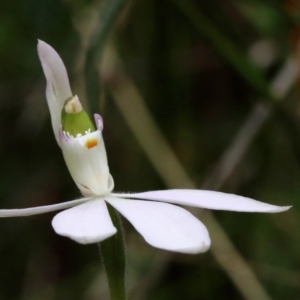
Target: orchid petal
{"x": 86, "y": 159}
{"x": 163, "y": 225}
{"x": 58, "y": 87}
{"x": 24, "y": 212}
{"x": 208, "y": 200}
{"x": 86, "y": 223}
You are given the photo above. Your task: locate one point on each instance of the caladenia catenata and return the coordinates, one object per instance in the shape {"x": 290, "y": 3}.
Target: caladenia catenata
{"x": 89, "y": 219}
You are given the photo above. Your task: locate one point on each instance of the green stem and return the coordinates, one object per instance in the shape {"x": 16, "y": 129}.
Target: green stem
{"x": 107, "y": 20}
{"x": 114, "y": 258}
{"x": 225, "y": 47}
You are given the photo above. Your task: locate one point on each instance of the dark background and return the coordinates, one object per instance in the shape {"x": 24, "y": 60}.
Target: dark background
{"x": 189, "y": 62}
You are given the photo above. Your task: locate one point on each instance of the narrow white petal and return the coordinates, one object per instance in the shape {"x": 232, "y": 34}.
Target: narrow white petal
{"x": 163, "y": 225}
{"x": 58, "y": 88}
{"x": 86, "y": 223}
{"x": 208, "y": 200}
{"x": 24, "y": 212}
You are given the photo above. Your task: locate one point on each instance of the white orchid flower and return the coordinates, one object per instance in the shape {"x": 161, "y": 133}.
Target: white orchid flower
{"x": 163, "y": 225}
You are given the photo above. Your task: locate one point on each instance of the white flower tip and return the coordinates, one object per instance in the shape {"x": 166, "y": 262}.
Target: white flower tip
{"x": 204, "y": 247}
{"x": 195, "y": 249}
{"x": 45, "y": 49}
{"x": 278, "y": 209}
{"x": 40, "y": 42}
{"x": 54, "y": 69}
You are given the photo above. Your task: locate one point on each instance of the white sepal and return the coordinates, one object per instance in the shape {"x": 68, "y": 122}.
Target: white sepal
{"x": 86, "y": 223}
{"x": 163, "y": 225}
{"x": 208, "y": 200}
{"x": 58, "y": 87}
{"x": 24, "y": 212}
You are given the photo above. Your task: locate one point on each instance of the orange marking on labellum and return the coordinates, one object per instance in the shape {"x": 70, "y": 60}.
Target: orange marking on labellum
{"x": 91, "y": 143}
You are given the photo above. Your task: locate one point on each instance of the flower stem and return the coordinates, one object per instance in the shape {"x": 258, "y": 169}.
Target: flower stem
{"x": 114, "y": 258}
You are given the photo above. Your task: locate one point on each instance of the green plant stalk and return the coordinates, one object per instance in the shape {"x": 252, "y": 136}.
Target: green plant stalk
{"x": 226, "y": 48}
{"x": 107, "y": 19}
{"x": 114, "y": 258}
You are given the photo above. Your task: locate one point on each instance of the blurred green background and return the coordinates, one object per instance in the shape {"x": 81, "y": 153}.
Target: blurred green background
{"x": 202, "y": 69}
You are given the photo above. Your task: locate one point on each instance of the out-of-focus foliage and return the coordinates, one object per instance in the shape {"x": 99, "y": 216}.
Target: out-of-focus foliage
{"x": 199, "y": 93}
